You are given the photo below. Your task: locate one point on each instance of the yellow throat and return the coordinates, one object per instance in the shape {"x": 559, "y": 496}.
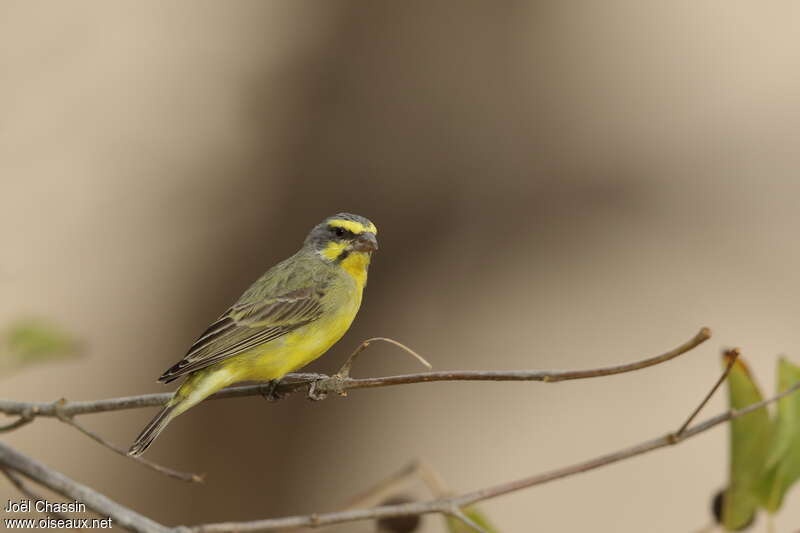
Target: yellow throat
{"x": 354, "y": 263}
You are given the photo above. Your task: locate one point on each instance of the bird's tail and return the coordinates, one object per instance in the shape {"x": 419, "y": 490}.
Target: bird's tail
{"x": 194, "y": 390}
{"x": 153, "y": 429}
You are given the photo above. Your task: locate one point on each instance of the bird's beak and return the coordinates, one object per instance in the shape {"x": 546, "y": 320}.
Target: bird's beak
{"x": 366, "y": 242}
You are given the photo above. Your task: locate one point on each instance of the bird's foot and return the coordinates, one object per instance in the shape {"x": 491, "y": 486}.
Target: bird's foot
{"x": 314, "y": 393}
{"x": 270, "y": 391}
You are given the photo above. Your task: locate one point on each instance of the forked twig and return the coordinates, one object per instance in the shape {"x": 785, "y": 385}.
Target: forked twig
{"x": 344, "y": 372}
{"x": 395, "y": 482}
{"x": 386, "y": 487}
{"x": 183, "y": 476}
{"x": 316, "y": 391}
{"x": 16, "y": 424}
{"x": 730, "y": 356}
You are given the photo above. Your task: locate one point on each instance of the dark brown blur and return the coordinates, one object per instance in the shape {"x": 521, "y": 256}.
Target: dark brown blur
{"x": 556, "y": 186}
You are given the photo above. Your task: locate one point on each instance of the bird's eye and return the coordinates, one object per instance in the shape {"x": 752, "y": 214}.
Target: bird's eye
{"x": 339, "y": 232}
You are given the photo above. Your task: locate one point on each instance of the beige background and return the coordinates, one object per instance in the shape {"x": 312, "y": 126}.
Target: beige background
{"x": 557, "y": 185}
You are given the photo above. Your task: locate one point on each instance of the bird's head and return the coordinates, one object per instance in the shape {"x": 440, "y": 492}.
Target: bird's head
{"x": 338, "y": 237}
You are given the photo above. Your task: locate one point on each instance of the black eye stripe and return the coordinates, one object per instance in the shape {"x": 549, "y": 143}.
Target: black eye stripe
{"x": 342, "y": 232}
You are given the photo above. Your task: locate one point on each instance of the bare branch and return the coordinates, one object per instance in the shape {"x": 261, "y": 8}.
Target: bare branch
{"x": 23, "y": 488}
{"x": 183, "y": 476}
{"x": 58, "y": 482}
{"x": 446, "y": 505}
{"x": 337, "y": 384}
{"x": 18, "y": 423}
{"x": 703, "y": 335}
{"x": 416, "y": 470}
{"x": 385, "y": 487}
{"x": 449, "y": 505}
{"x": 433, "y": 480}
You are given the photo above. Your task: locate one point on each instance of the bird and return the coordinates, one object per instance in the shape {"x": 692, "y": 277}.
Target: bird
{"x": 290, "y": 316}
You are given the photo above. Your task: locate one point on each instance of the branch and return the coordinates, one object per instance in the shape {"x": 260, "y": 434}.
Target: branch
{"x": 16, "y": 424}
{"x": 415, "y": 470}
{"x": 169, "y": 472}
{"x": 447, "y": 505}
{"x": 339, "y": 384}
{"x": 28, "y": 416}
{"x": 25, "y": 491}
{"x": 386, "y": 487}
{"x": 58, "y": 482}
{"x": 451, "y": 505}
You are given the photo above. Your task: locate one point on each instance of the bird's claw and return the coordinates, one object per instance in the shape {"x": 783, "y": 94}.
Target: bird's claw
{"x": 314, "y": 394}
{"x": 270, "y": 391}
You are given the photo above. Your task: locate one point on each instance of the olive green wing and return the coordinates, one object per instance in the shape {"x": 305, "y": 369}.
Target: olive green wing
{"x": 247, "y": 325}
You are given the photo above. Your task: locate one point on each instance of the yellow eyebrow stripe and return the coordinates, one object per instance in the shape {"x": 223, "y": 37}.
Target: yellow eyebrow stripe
{"x": 352, "y": 225}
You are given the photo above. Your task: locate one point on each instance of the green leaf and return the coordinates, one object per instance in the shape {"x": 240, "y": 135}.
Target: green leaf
{"x": 783, "y": 461}
{"x": 749, "y": 444}
{"x": 34, "y": 340}
{"x": 454, "y": 525}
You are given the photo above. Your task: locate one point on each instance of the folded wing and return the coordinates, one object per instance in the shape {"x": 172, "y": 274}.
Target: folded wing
{"x": 247, "y": 325}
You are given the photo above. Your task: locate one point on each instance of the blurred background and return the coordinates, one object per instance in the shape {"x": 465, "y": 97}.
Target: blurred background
{"x": 557, "y": 186}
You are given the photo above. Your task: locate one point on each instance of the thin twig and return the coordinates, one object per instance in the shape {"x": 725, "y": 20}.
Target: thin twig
{"x": 26, "y": 491}
{"x": 16, "y": 424}
{"x": 730, "y": 356}
{"x": 703, "y": 335}
{"x": 337, "y": 384}
{"x": 58, "y": 482}
{"x": 394, "y": 483}
{"x": 183, "y": 476}
{"x": 445, "y": 505}
{"x": 433, "y": 480}
{"x": 387, "y": 486}
{"x": 345, "y": 370}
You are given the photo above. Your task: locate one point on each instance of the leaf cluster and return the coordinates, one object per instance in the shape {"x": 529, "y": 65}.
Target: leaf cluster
{"x": 764, "y": 449}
